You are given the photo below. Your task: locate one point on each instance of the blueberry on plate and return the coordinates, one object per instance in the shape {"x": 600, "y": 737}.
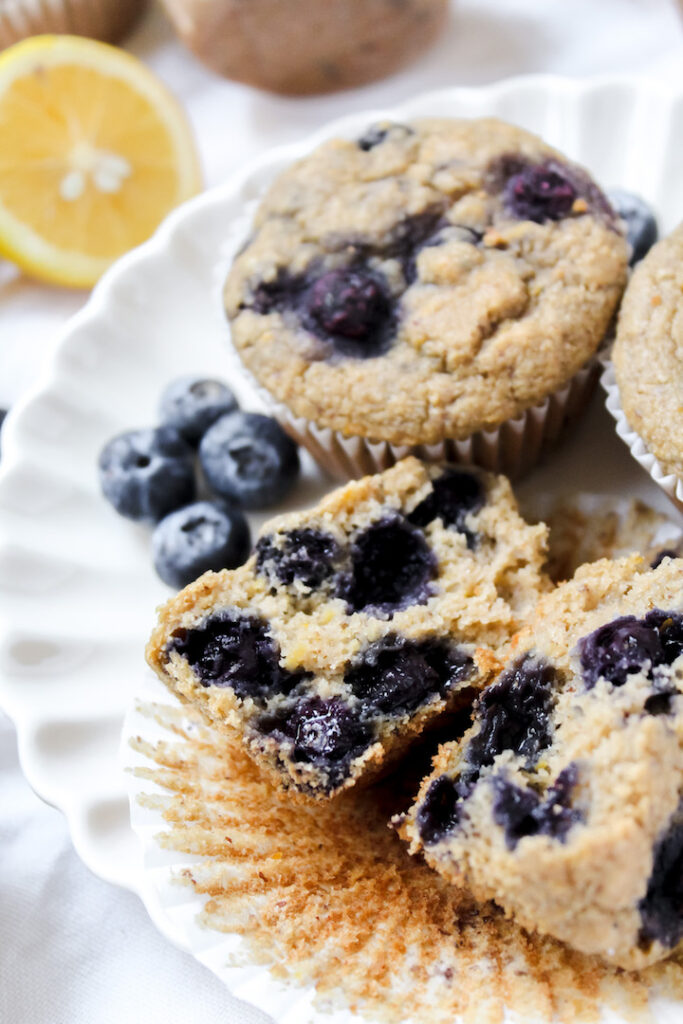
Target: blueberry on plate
{"x": 641, "y": 226}
{"x": 248, "y": 458}
{"x": 202, "y": 536}
{"x": 192, "y": 404}
{"x": 145, "y": 474}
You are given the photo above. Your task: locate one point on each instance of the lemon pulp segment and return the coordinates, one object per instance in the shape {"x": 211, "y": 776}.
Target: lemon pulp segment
{"x": 93, "y": 153}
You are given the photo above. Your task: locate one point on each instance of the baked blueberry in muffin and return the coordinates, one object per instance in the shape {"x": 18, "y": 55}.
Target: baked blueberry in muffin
{"x": 564, "y": 800}
{"x": 425, "y": 281}
{"x": 357, "y": 625}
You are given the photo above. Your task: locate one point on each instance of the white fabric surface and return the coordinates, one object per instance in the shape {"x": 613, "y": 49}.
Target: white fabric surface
{"x": 74, "y": 949}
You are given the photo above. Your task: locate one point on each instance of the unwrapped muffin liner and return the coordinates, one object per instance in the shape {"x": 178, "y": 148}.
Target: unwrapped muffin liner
{"x": 670, "y": 483}
{"x": 99, "y": 19}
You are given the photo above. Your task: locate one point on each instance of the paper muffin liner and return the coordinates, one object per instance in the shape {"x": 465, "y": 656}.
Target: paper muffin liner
{"x": 670, "y": 483}
{"x": 322, "y": 916}
{"x": 513, "y": 448}
{"x": 99, "y": 19}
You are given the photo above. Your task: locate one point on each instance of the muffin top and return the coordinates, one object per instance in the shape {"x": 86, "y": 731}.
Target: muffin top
{"x": 648, "y": 352}
{"x": 425, "y": 281}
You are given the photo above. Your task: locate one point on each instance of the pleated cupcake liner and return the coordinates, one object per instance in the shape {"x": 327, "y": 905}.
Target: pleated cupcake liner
{"x": 108, "y": 20}
{"x": 513, "y": 448}
{"x": 670, "y": 483}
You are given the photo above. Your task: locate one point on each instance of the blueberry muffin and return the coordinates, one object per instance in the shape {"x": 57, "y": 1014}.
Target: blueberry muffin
{"x": 303, "y": 46}
{"x": 564, "y": 800}
{"x": 648, "y": 352}
{"x": 425, "y": 281}
{"x": 355, "y": 626}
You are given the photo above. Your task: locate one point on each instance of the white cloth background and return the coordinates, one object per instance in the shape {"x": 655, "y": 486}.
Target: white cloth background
{"x": 74, "y": 949}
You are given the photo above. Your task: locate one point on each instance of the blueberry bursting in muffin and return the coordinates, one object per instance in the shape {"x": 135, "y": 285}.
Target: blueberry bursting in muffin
{"x": 357, "y": 625}
{"x": 564, "y": 800}
{"x": 425, "y": 281}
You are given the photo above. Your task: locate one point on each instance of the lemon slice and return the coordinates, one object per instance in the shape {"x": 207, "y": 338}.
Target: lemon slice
{"x": 94, "y": 152}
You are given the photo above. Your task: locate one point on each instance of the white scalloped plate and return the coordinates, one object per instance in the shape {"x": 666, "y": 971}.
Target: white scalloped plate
{"x": 77, "y": 591}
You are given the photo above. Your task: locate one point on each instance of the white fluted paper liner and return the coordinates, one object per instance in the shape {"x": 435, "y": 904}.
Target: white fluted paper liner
{"x": 176, "y": 908}
{"x": 670, "y": 483}
{"x": 512, "y": 448}
{"x": 98, "y": 19}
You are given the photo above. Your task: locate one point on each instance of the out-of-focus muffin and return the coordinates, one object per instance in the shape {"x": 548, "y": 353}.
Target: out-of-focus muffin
{"x": 98, "y": 19}
{"x": 304, "y": 46}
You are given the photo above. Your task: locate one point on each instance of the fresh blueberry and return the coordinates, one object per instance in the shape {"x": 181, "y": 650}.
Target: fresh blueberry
{"x": 236, "y": 650}
{"x": 641, "y": 226}
{"x": 146, "y": 474}
{"x": 454, "y": 495}
{"x": 303, "y": 555}
{"x": 522, "y": 812}
{"x": 618, "y": 649}
{"x": 192, "y": 404}
{"x": 514, "y": 714}
{"x": 377, "y": 133}
{"x": 352, "y": 308}
{"x": 661, "y": 909}
{"x": 248, "y": 458}
{"x": 392, "y": 567}
{"x": 202, "y": 536}
{"x": 396, "y": 675}
{"x": 540, "y": 192}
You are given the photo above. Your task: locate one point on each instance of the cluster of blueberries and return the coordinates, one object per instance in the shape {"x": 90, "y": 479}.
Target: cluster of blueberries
{"x": 385, "y": 567}
{"x": 245, "y": 461}
{"x": 394, "y": 675}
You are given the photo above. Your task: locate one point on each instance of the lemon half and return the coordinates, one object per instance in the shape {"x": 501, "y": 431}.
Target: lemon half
{"x": 94, "y": 152}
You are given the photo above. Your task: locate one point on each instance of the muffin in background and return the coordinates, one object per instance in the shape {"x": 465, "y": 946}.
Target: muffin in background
{"x": 305, "y": 46}
{"x": 108, "y": 20}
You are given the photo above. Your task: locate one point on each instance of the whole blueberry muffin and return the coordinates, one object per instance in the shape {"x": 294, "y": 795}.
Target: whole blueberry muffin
{"x": 303, "y": 46}
{"x": 564, "y": 800}
{"x": 356, "y": 625}
{"x": 648, "y": 351}
{"x": 426, "y": 280}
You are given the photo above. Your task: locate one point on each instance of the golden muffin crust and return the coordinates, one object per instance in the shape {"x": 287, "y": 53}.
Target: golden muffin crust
{"x": 648, "y": 351}
{"x": 426, "y": 281}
